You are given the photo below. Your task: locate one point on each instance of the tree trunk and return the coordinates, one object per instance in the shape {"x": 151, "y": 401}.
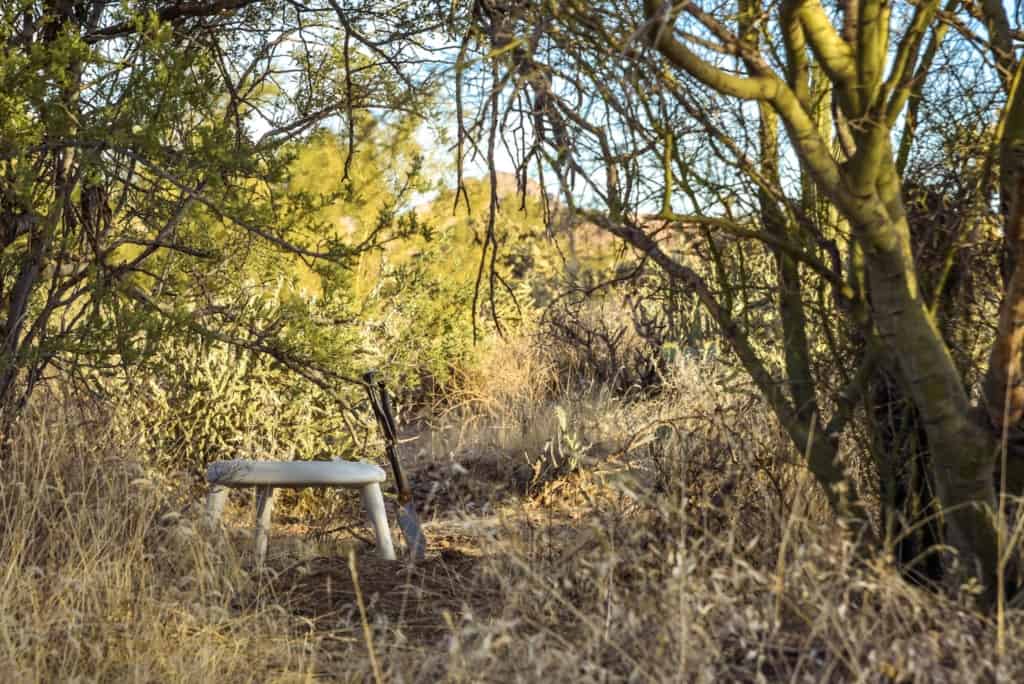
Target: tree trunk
{"x": 962, "y": 451}
{"x": 907, "y": 501}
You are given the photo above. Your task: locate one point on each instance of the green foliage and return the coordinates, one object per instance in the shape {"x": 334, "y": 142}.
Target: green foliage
{"x": 205, "y": 402}
{"x": 151, "y": 182}
{"x": 561, "y": 455}
{"x": 211, "y": 220}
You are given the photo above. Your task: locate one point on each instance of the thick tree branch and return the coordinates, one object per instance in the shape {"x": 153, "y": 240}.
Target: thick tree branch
{"x": 834, "y": 54}
{"x": 172, "y": 12}
{"x": 872, "y": 47}
{"x": 822, "y": 456}
{"x": 900, "y": 84}
{"x": 798, "y": 73}
{"x": 1000, "y": 39}
{"x": 660, "y": 30}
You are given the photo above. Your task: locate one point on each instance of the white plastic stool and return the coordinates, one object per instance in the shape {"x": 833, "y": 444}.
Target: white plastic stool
{"x": 265, "y": 476}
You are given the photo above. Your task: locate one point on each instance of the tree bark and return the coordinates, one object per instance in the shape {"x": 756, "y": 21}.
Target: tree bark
{"x": 962, "y": 451}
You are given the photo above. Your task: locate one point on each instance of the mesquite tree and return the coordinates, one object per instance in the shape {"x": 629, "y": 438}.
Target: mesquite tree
{"x": 145, "y": 153}
{"x": 805, "y": 128}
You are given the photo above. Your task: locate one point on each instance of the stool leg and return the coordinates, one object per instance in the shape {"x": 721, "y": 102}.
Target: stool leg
{"x": 215, "y": 503}
{"x": 264, "y": 507}
{"x": 373, "y": 502}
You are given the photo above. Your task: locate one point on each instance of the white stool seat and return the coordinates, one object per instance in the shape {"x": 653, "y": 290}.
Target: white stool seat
{"x": 240, "y": 473}
{"x": 265, "y": 476}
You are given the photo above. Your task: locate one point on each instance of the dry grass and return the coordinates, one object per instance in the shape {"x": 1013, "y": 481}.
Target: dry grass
{"x": 107, "y": 577}
{"x": 573, "y": 538}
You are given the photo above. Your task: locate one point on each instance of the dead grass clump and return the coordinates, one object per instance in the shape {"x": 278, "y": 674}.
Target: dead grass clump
{"x": 506, "y": 379}
{"x": 108, "y": 577}
{"x": 635, "y": 588}
{"x": 688, "y": 544}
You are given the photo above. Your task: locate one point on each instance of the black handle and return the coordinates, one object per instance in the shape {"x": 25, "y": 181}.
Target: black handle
{"x": 389, "y": 414}
{"x": 375, "y": 402}
{"x": 381, "y": 405}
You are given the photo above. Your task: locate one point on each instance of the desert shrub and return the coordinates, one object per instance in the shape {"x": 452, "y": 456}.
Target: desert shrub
{"x": 280, "y": 385}
{"x": 418, "y": 324}
{"x": 502, "y": 376}
{"x": 203, "y": 402}
{"x": 206, "y": 402}
{"x": 625, "y": 337}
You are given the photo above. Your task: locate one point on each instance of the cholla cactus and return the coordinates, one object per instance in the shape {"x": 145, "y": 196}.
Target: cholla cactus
{"x": 212, "y": 402}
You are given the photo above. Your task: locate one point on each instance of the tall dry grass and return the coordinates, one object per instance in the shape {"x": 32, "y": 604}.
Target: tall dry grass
{"x": 687, "y": 543}
{"x": 673, "y": 538}
{"x": 107, "y": 575}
